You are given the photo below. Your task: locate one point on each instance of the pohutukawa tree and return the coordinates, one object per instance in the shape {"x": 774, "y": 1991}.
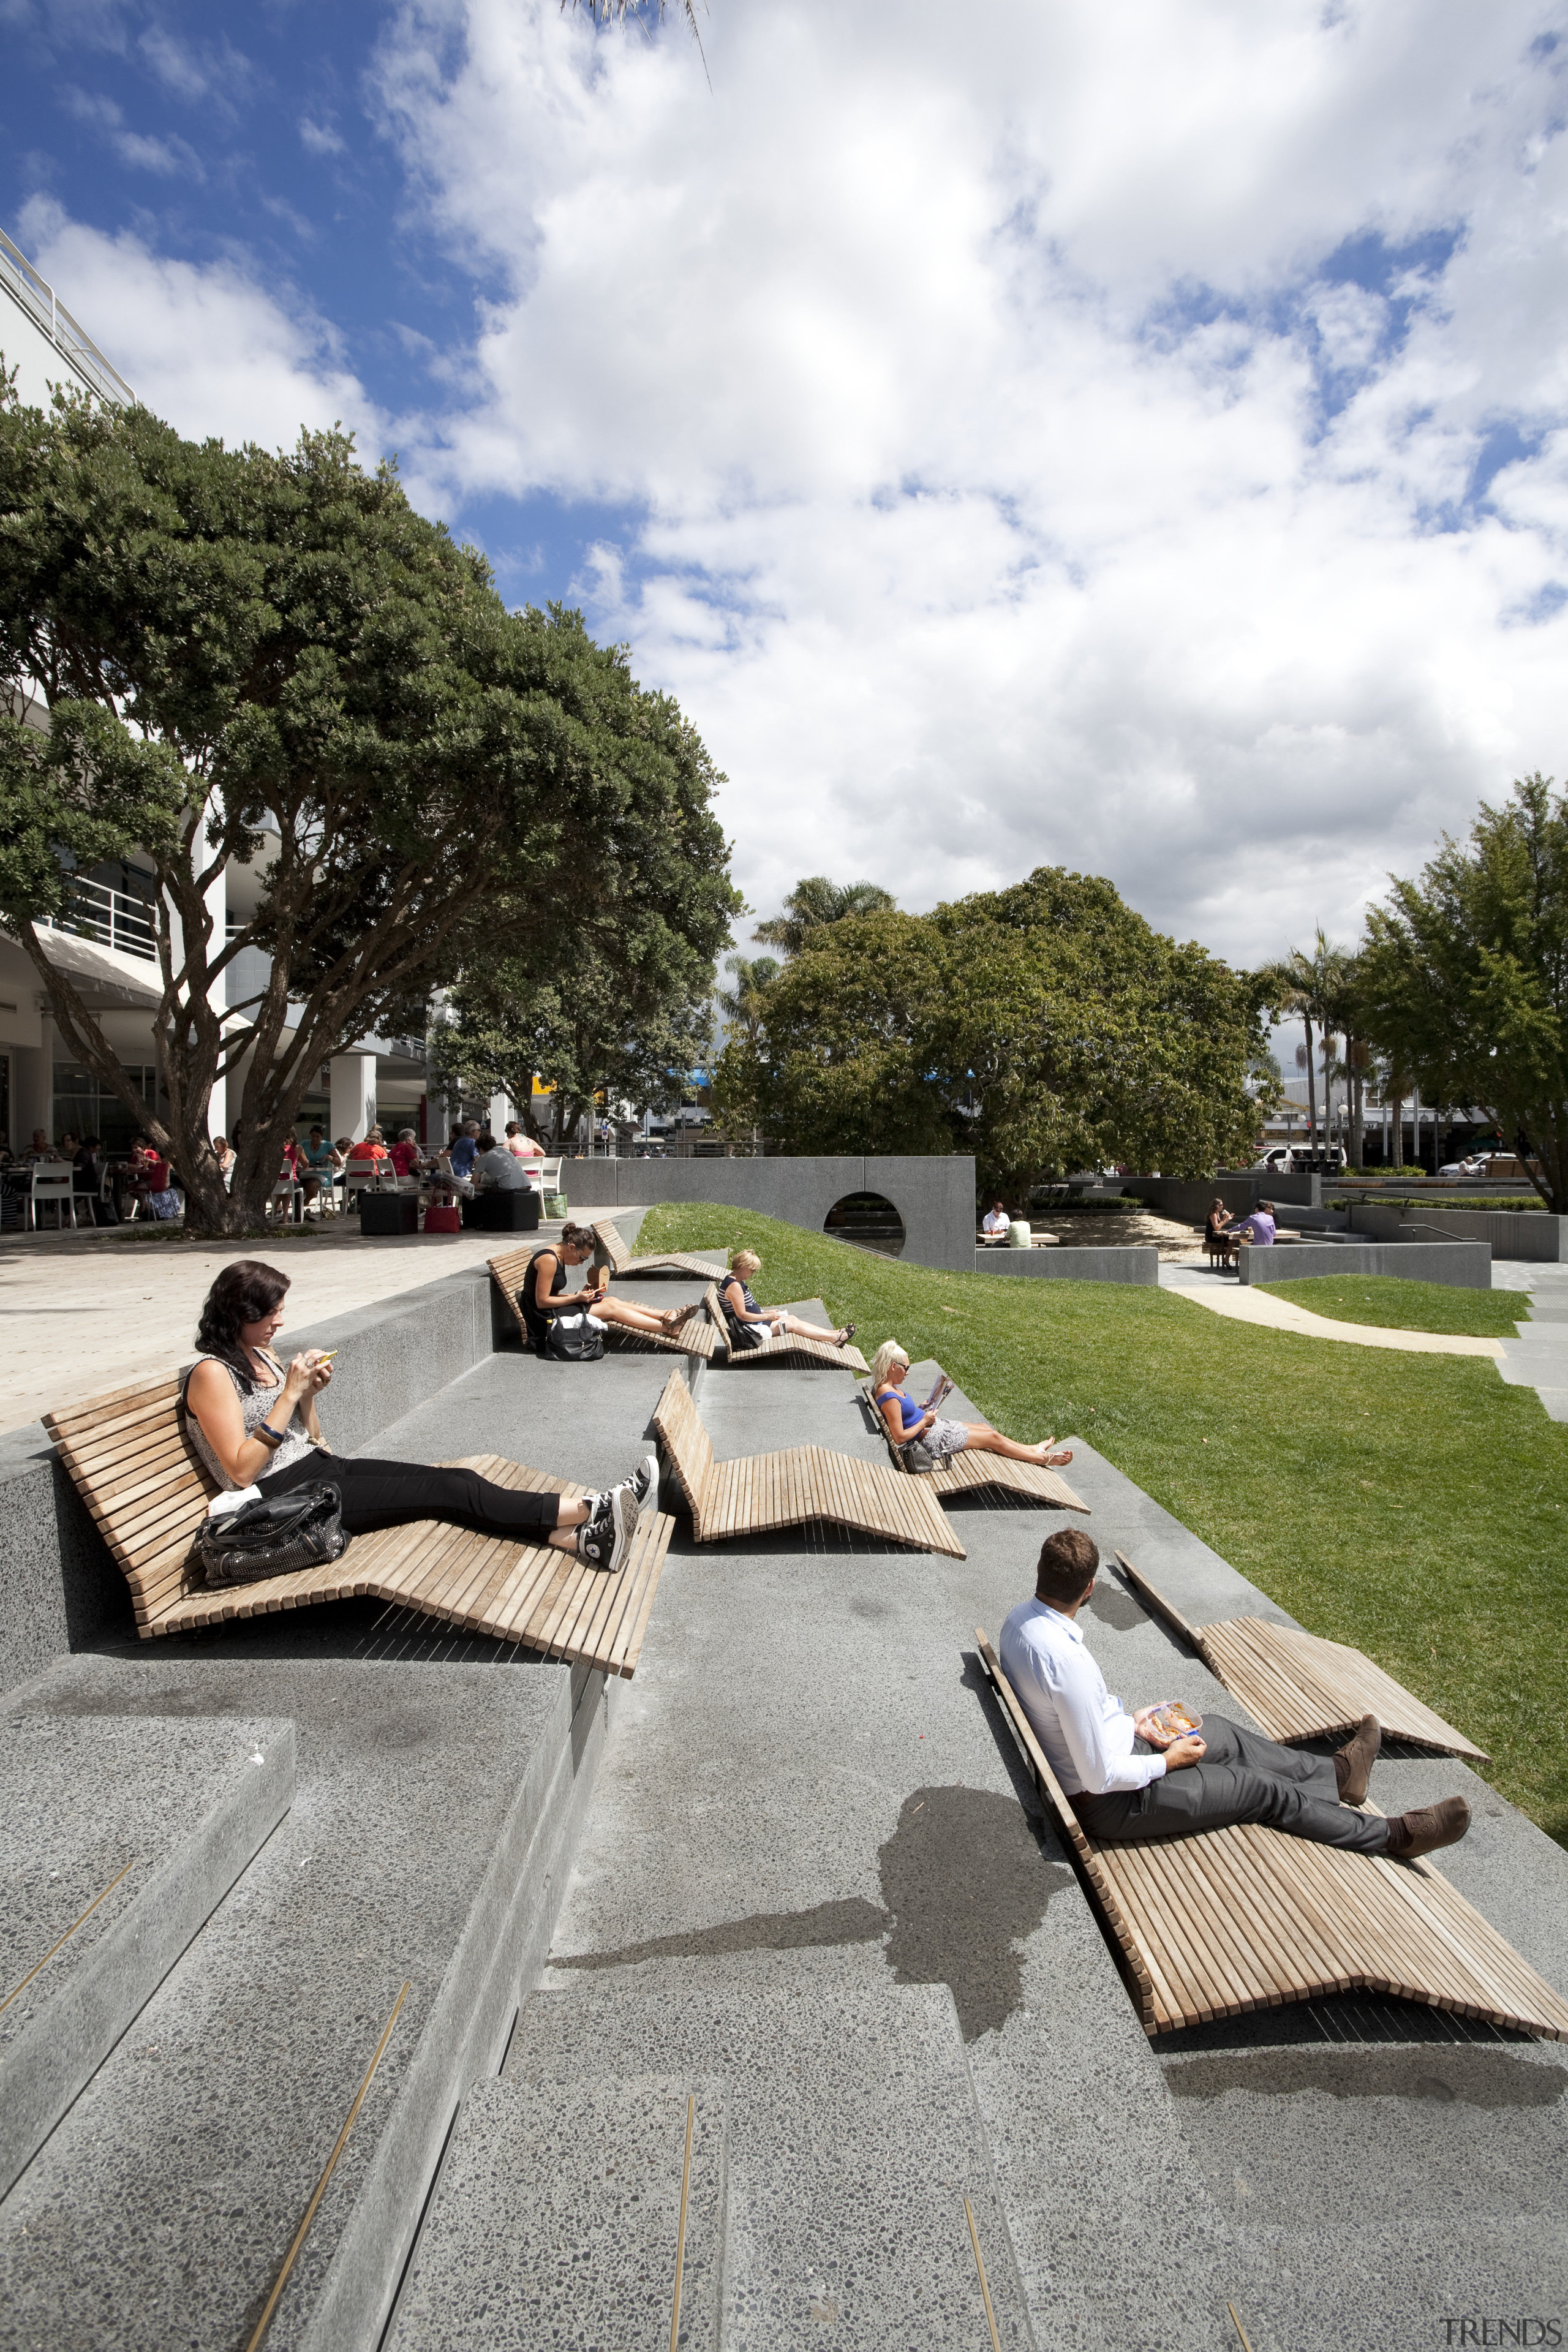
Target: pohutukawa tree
{"x": 1464, "y": 977}
{"x": 272, "y": 658}
{"x": 1043, "y": 1028}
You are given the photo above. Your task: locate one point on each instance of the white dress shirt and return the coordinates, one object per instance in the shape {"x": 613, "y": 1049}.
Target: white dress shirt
{"x": 1086, "y": 1733}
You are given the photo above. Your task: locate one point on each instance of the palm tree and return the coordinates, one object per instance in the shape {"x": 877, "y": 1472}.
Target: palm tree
{"x": 817, "y": 902}
{"x": 745, "y": 1005}
{"x": 1313, "y": 987}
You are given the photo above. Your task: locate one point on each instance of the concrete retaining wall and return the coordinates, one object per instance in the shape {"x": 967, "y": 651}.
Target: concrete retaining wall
{"x": 62, "y": 1589}
{"x": 934, "y": 1196}
{"x": 1510, "y": 1232}
{"x": 1135, "y": 1263}
{"x": 1465, "y": 1266}
{"x": 1189, "y": 1198}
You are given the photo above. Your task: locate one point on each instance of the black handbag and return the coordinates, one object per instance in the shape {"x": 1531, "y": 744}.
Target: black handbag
{"x": 273, "y": 1536}
{"x": 574, "y": 1340}
{"x": 916, "y": 1457}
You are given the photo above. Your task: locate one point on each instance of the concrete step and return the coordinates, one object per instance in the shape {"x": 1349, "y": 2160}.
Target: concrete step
{"x": 436, "y": 1811}
{"x": 854, "y": 2140}
{"x": 559, "y": 2219}
{"x": 117, "y": 1840}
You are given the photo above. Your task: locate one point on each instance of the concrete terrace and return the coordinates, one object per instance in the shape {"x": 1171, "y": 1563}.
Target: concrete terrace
{"x": 791, "y": 1875}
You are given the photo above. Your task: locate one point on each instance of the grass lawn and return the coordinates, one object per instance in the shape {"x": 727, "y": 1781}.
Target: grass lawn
{"x": 1396, "y": 1305}
{"x": 1413, "y": 1506}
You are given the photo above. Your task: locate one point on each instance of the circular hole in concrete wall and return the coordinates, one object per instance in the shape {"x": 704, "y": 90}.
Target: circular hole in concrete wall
{"x": 868, "y": 1221}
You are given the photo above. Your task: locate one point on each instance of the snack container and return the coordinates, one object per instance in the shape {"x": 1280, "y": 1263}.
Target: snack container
{"x": 1174, "y": 1720}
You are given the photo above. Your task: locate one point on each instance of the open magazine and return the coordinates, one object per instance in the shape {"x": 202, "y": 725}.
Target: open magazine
{"x": 942, "y": 1389}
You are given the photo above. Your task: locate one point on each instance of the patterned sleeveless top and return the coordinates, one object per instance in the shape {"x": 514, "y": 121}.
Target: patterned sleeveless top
{"x": 253, "y": 1408}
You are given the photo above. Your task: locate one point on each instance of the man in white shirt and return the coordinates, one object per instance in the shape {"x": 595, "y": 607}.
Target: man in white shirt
{"x": 1128, "y": 1783}
{"x": 993, "y": 1224}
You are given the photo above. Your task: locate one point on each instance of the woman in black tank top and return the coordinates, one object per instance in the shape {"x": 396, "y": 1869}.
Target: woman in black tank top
{"x": 544, "y": 1294}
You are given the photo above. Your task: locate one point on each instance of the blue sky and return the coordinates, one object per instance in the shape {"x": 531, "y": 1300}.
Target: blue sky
{"x": 1134, "y": 441}
{"x": 221, "y": 134}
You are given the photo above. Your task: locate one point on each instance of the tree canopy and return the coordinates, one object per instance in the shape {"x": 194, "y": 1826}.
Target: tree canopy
{"x": 272, "y": 657}
{"x": 815, "y": 902}
{"x": 1043, "y": 1027}
{"x": 1464, "y": 977}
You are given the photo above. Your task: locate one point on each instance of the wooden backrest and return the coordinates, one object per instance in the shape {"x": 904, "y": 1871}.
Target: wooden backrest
{"x": 509, "y": 1270}
{"x": 1067, "y": 1821}
{"x": 686, "y": 1440}
{"x": 143, "y": 1482}
{"x": 607, "y": 1233}
{"x": 713, "y": 1301}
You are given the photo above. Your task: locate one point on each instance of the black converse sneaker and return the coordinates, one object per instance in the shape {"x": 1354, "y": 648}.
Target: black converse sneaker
{"x": 645, "y": 1478}
{"x": 605, "y": 1536}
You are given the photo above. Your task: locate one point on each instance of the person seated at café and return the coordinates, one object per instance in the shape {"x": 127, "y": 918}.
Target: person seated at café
{"x": 495, "y": 1167}
{"x": 252, "y": 1419}
{"x": 1259, "y": 1228}
{"x": 407, "y": 1156}
{"x": 544, "y": 1296}
{"x": 317, "y": 1164}
{"x": 1219, "y": 1233}
{"x": 149, "y": 1178}
{"x": 40, "y": 1149}
{"x": 750, "y": 1325}
{"x": 993, "y": 1224}
{"x": 371, "y": 1148}
{"x": 1128, "y": 1781}
{"x": 521, "y": 1146}
{"x": 905, "y": 1421}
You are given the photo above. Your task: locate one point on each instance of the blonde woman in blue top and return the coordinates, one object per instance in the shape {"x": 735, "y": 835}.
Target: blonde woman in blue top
{"x": 905, "y": 1420}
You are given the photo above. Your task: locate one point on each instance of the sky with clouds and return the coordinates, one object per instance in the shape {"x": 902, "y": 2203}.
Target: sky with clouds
{"x": 1134, "y": 439}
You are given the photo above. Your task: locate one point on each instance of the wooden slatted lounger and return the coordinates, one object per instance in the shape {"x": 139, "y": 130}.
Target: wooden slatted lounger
{"x": 1246, "y": 1917}
{"x": 619, "y": 1259}
{"x": 788, "y": 1349}
{"x": 695, "y": 1337}
{"x": 789, "y": 1489}
{"x": 1299, "y": 1686}
{"x": 966, "y": 1473}
{"x": 140, "y": 1478}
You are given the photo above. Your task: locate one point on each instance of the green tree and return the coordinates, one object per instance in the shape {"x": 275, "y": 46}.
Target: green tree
{"x": 1465, "y": 975}
{"x": 1042, "y": 1027}
{"x": 272, "y": 658}
{"x": 814, "y": 904}
{"x": 618, "y": 1005}
{"x": 1313, "y": 986}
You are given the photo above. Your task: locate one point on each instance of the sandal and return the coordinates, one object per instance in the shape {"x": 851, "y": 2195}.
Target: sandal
{"x": 844, "y": 1336}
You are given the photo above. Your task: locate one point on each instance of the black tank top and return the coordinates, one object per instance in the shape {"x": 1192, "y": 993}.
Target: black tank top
{"x": 536, "y": 1324}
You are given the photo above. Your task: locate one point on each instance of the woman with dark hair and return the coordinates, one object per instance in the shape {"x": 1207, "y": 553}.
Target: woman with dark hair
{"x": 544, "y": 1294}
{"x": 253, "y": 1421}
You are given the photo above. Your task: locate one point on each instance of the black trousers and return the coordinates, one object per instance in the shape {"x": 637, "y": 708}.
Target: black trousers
{"x": 1243, "y": 1777}
{"x": 390, "y": 1494}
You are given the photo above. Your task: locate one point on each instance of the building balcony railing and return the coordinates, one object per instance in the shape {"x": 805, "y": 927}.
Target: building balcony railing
{"x": 75, "y": 346}
{"x": 113, "y": 917}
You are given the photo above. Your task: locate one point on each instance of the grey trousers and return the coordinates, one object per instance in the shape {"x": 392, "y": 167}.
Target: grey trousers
{"x": 1243, "y": 1777}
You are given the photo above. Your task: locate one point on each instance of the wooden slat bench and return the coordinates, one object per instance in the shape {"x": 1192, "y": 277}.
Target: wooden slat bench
{"x": 1243, "y": 1919}
{"x": 148, "y": 1491}
{"x": 1299, "y": 1686}
{"x": 619, "y": 1259}
{"x": 966, "y": 1473}
{"x": 695, "y": 1337}
{"x": 789, "y": 1489}
{"x": 787, "y": 1350}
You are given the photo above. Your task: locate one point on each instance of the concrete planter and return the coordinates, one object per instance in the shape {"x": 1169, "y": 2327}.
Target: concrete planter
{"x": 1135, "y": 1263}
{"x": 1465, "y": 1266}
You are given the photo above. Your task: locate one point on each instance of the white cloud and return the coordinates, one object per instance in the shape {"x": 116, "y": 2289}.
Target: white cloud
{"x": 1019, "y": 483}
{"x": 320, "y": 138}
{"x": 205, "y": 346}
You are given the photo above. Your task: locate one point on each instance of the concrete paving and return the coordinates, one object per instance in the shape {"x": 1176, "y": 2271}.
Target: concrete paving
{"x": 811, "y": 1869}
{"x": 1224, "y": 1295}
{"x": 565, "y": 2210}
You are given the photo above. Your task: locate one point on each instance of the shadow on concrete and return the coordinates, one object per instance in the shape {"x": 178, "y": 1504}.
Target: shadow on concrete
{"x": 966, "y": 1884}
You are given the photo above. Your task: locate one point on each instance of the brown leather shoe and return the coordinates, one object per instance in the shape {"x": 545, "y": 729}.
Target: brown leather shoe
{"x": 1353, "y": 1763}
{"x": 1412, "y": 1834}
